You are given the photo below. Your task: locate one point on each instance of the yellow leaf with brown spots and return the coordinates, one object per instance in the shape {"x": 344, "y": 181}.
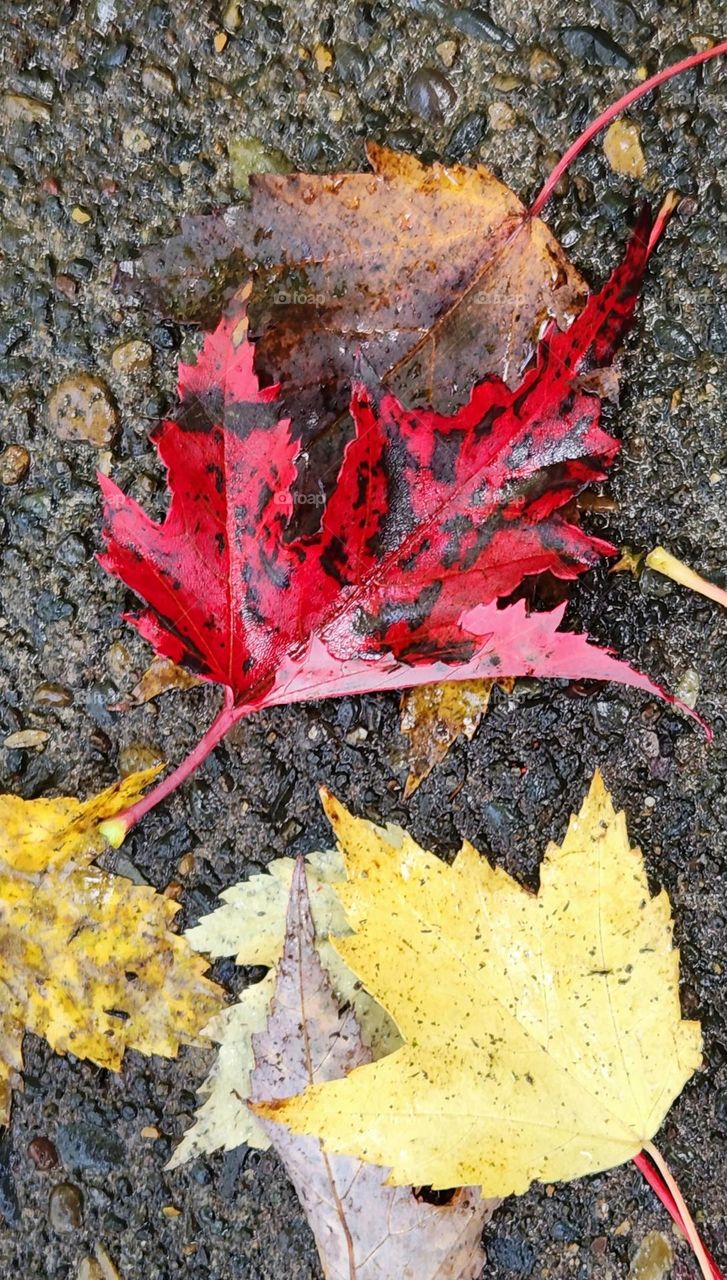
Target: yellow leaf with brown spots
{"x": 543, "y": 1036}
{"x": 87, "y": 959}
{"x": 434, "y": 715}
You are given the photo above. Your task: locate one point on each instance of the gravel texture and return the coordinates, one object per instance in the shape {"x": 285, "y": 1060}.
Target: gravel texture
{"x": 118, "y": 117}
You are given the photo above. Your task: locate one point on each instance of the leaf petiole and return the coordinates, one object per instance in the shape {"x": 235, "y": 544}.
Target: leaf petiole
{"x": 663, "y": 562}
{"x": 610, "y": 114}
{"x": 654, "y": 1168}
{"x": 116, "y": 829}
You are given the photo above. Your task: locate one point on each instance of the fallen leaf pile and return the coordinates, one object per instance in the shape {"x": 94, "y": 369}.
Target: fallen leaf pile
{"x": 551, "y": 1044}
{"x": 428, "y": 514}
{"x": 439, "y": 276}
{"x": 433, "y": 272}
{"x": 87, "y": 959}
{"x": 364, "y": 1228}
{"x": 373, "y": 473}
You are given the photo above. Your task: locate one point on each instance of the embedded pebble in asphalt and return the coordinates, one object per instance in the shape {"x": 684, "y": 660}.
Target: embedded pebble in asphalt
{"x": 65, "y": 1208}
{"x": 14, "y": 464}
{"x": 81, "y": 410}
{"x": 622, "y": 148}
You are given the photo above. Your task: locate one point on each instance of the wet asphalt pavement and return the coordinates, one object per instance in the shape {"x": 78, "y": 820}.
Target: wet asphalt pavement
{"x": 118, "y": 117}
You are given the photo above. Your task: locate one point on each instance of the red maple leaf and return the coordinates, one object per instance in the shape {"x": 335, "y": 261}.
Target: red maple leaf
{"x": 429, "y": 516}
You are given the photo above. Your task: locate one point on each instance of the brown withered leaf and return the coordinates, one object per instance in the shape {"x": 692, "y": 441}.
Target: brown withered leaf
{"x": 161, "y": 676}
{"x": 364, "y": 1229}
{"x": 434, "y": 715}
{"x": 435, "y": 272}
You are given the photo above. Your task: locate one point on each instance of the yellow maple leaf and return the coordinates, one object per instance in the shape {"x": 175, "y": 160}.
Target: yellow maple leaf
{"x": 87, "y": 959}
{"x": 543, "y": 1033}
